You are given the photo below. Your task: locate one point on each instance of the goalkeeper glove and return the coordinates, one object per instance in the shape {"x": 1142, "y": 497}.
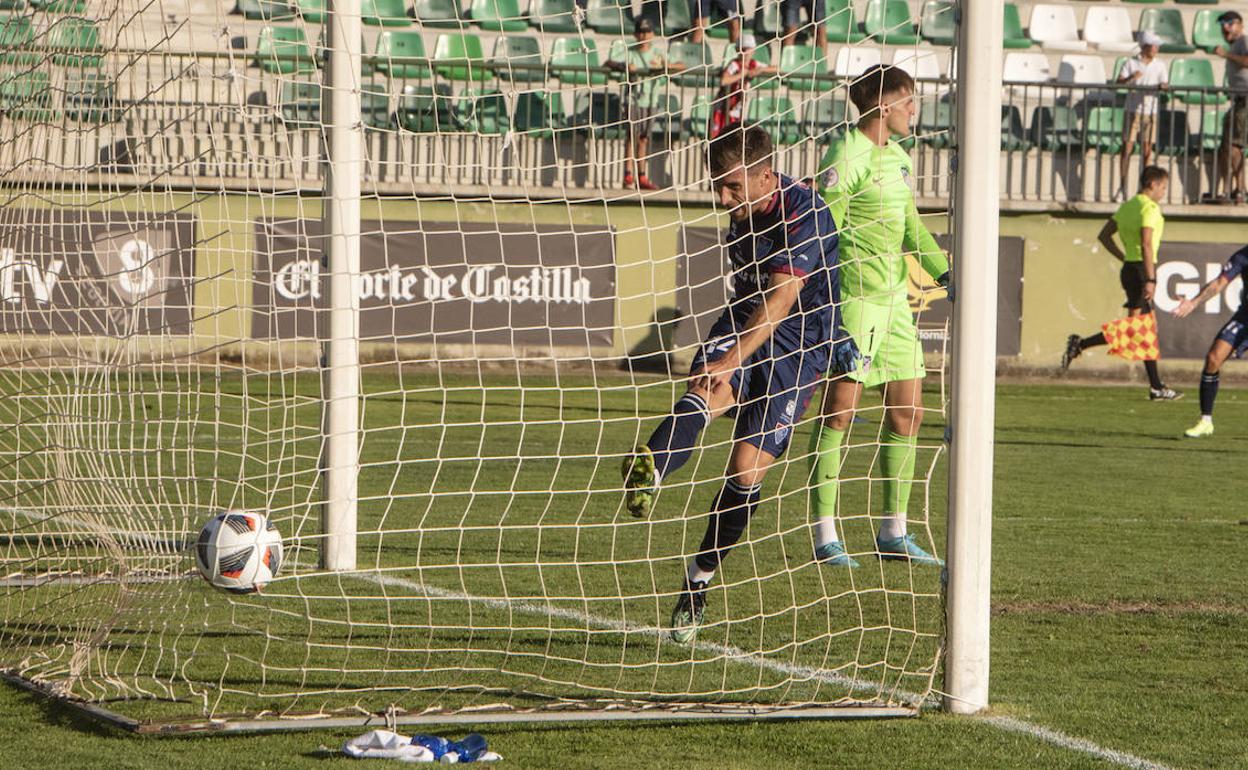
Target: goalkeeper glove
{"x": 845, "y": 355}
{"x": 945, "y": 281}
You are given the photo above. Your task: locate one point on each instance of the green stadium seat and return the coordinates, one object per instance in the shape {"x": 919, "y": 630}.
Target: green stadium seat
{"x": 375, "y": 106}
{"x": 1055, "y": 128}
{"x": 777, "y": 117}
{"x": 842, "y": 24}
{"x": 514, "y": 55}
{"x": 483, "y": 112}
{"x": 1144, "y": 2}
{"x": 299, "y": 104}
{"x": 498, "y": 15}
{"x": 16, "y": 38}
{"x": 1014, "y": 35}
{"x": 936, "y": 24}
{"x": 1102, "y": 129}
{"x": 935, "y": 124}
{"x": 1196, "y": 2}
{"x": 427, "y": 109}
{"x": 717, "y": 24}
{"x": 12, "y": 5}
{"x": 669, "y": 123}
{"x": 90, "y": 97}
{"x": 458, "y": 56}
{"x": 598, "y": 113}
{"x": 1173, "y": 132}
{"x": 284, "y": 50}
{"x": 76, "y": 41}
{"x": 579, "y": 56}
{"x": 553, "y": 16}
{"x": 27, "y": 96}
{"x": 1210, "y": 137}
{"x": 538, "y": 113}
{"x": 824, "y": 117}
{"x": 396, "y": 49}
{"x": 385, "y": 13}
{"x": 618, "y": 52}
{"x": 1167, "y": 23}
{"x": 311, "y": 10}
{"x": 610, "y": 17}
{"x": 669, "y": 17}
{"x": 1013, "y": 135}
{"x": 1206, "y": 32}
{"x": 800, "y": 65}
{"x": 265, "y": 10}
{"x": 438, "y": 13}
{"x": 60, "y": 6}
{"x": 888, "y": 22}
{"x": 699, "y": 62}
{"x": 768, "y": 24}
{"x": 1194, "y": 73}
{"x": 699, "y": 123}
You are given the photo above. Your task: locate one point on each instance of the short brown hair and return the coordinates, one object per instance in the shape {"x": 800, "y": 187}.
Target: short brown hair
{"x": 1152, "y": 175}
{"x": 738, "y": 145}
{"x": 868, "y": 91}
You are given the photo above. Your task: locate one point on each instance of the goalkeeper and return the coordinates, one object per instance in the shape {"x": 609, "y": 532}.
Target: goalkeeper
{"x": 766, "y": 355}
{"x": 865, "y": 179}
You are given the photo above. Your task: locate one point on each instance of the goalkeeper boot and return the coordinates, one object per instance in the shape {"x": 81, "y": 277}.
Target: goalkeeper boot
{"x": 641, "y": 481}
{"x": 1074, "y": 347}
{"x": 1164, "y": 394}
{"x": 905, "y": 549}
{"x": 1200, "y": 429}
{"x": 833, "y": 555}
{"x": 687, "y": 615}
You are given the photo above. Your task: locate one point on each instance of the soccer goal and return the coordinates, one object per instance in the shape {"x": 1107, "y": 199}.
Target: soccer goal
{"x": 411, "y": 279}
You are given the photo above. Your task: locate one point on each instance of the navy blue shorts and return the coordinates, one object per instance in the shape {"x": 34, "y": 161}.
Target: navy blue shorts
{"x": 1235, "y": 332}
{"x": 772, "y": 393}
{"x": 816, "y": 12}
{"x": 701, "y": 9}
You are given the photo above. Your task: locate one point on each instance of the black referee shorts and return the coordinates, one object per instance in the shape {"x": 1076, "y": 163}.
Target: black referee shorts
{"x": 1132, "y": 278}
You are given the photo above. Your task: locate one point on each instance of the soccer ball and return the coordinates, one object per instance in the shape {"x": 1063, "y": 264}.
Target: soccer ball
{"x": 239, "y": 551}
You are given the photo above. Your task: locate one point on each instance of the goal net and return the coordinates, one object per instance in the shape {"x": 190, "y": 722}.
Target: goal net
{"x": 525, "y": 320}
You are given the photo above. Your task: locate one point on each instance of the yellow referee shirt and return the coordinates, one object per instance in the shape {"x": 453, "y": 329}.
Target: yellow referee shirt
{"x": 1132, "y": 217}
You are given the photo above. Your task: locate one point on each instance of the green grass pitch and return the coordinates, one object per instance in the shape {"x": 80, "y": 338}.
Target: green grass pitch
{"x": 1118, "y": 608}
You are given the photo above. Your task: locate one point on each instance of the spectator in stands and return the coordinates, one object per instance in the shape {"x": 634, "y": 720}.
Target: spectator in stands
{"x": 644, "y": 68}
{"x": 1235, "y": 125}
{"x": 1144, "y": 72}
{"x": 816, "y": 14}
{"x": 700, "y": 11}
{"x": 730, "y": 99}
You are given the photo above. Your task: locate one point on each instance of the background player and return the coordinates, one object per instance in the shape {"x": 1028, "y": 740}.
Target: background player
{"x": 865, "y": 179}
{"x": 1139, "y": 223}
{"x": 1231, "y": 340}
{"x": 765, "y": 355}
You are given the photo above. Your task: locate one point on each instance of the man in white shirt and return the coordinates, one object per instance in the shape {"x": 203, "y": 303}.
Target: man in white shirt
{"x": 1146, "y": 74}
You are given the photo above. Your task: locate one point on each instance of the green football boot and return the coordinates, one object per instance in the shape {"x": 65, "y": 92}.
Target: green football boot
{"x": 833, "y": 555}
{"x": 687, "y": 615}
{"x": 641, "y": 481}
{"x": 905, "y": 549}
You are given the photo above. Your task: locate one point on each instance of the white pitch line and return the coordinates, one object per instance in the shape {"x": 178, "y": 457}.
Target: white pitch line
{"x": 1062, "y": 740}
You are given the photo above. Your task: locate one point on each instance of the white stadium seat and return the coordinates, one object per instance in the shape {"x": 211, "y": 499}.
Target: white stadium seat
{"x": 852, "y": 60}
{"x": 1109, "y": 29}
{"x": 1054, "y": 27}
{"x": 920, "y": 63}
{"x": 1082, "y": 69}
{"x": 1026, "y": 68}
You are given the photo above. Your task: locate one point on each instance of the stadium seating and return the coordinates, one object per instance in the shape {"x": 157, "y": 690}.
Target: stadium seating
{"x": 1054, "y": 27}
{"x": 1055, "y": 127}
{"x": 27, "y": 96}
{"x": 482, "y": 112}
{"x": 284, "y": 50}
{"x": 1109, "y": 29}
{"x": 1206, "y": 32}
{"x": 384, "y": 13}
{"x": 717, "y": 24}
{"x": 610, "y": 17}
{"x": 841, "y": 24}
{"x": 599, "y": 114}
{"x": 1081, "y": 69}
{"x": 767, "y": 22}
{"x": 459, "y": 56}
{"x": 777, "y": 117}
{"x": 699, "y": 64}
{"x": 761, "y": 55}
{"x": 1194, "y": 73}
{"x": 1166, "y": 23}
{"x": 312, "y": 11}
{"x": 553, "y": 16}
{"x": 538, "y": 113}
{"x": 60, "y": 6}
{"x": 1014, "y": 35}
{"x": 90, "y": 97}
{"x": 402, "y": 44}
{"x": 936, "y": 23}
{"x": 800, "y": 65}
{"x": 375, "y": 106}
{"x": 426, "y": 109}
{"x": 514, "y": 54}
{"x": 889, "y": 22}
{"x": 577, "y": 56}
{"x": 76, "y": 42}
{"x": 438, "y": 13}
{"x": 16, "y": 36}
{"x": 921, "y": 63}
{"x": 498, "y": 15}
{"x": 851, "y": 61}
{"x": 935, "y": 124}
{"x": 299, "y": 104}
{"x": 698, "y": 124}
{"x": 1173, "y": 133}
{"x": 1210, "y": 136}
{"x": 824, "y": 117}
{"x": 1102, "y": 129}
{"x": 669, "y": 17}
{"x": 264, "y": 10}
{"x": 1026, "y": 68}
{"x": 669, "y": 123}
{"x": 1013, "y": 135}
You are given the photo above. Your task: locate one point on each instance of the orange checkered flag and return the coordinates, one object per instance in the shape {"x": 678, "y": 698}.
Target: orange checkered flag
{"x": 1133, "y": 338}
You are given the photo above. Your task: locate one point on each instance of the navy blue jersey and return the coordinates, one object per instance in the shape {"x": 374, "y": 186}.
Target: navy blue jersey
{"x": 1235, "y": 267}
{"x": 795, "y": 234}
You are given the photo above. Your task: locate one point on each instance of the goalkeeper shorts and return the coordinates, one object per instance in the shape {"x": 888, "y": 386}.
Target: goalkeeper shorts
{"x": 887, "y": 339}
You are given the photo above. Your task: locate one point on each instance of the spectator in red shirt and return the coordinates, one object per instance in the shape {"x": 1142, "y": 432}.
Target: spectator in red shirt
{"x": 730, "y": 99}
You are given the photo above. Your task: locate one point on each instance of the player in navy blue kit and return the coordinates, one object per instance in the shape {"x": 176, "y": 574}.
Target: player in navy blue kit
{"x": 766, "y": 355}
{"x": 1232, "y": 340}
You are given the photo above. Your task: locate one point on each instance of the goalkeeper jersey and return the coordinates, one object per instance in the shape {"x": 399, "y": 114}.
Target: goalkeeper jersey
{"x": 868, "y": 189}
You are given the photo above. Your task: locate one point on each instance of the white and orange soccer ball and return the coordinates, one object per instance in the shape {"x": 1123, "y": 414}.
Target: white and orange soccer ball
{"x": 239, "y": 551}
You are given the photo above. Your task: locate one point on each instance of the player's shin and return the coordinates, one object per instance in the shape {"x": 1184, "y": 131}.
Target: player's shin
{"x": 896, "y": 468}
{"x": 673, "y": 441}
{"x": 825, "y": 470}
{"x": 731, "y": 512}
{"x": 1208, "y": 392}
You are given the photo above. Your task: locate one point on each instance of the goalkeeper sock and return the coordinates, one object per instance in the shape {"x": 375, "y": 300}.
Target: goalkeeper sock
{"x": 896, "y": 467}
{"x": 696, "y": 574}
{"x": 825, "y": 470}
{"x": 1091, "y": 342}
{"x": 1208, "y": 392}
{"x": 733, "y": 507}
{"x": 1154, "y": 378}
{"x": 673, "y": 441}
